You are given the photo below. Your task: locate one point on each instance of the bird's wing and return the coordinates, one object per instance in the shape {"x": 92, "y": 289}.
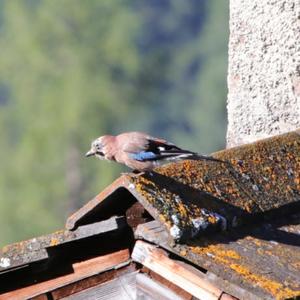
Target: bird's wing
{"x": 132, "y": 142}
{"x": 143, "y": 147}
{"x": 166, "y": 150}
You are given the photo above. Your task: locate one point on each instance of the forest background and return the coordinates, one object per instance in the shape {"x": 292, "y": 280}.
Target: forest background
{"x": 72, "y": 70}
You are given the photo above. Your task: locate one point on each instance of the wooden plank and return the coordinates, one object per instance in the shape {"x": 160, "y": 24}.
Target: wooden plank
{"x": 231, "y": 288}
{"x": 175, "y": 288}
{"x": 157, "y": 260}
{"x": 40, "y": 297}
{"x": 89, "y": 282}
{"x": 36, "y": 249}
{"x": 260, "y": 262}
{"x": 147, "y": 288}
{"x": 123, "y": 288}
{"x": 81, "y": 270}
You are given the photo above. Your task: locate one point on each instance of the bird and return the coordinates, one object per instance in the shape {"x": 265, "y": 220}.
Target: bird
{"x": 140, "y": 151}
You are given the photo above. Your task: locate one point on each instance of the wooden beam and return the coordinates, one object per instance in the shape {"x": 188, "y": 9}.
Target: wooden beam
{"x": 81, "y": 270}
{"x": 158, "y": 261}
{"x": 123, "y": 288}
{"x": 168, "y": 284}
{"x": 86, "y": 283}
{"x": 151, "y": 289}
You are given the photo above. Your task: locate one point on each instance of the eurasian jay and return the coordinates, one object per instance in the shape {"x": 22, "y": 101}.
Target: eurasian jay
{"x": 140, "y": 151}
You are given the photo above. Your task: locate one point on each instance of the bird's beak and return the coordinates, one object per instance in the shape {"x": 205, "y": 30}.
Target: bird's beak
{"x": 90, "y": 153}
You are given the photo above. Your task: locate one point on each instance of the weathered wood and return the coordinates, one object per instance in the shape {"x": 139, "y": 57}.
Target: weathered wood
{"x": 33, "y": 250}
{"x": 80, "y": 270}
{"x": 157, "y": 260}
{"x": 259, "y": 262}
{"x": 148, "y": 288}
{"x": 162, "y": 280}
{"x": 104, "y": 205}
{"x": 192, "y": 198}
{"x": 92, "y": 281}
{"x": 123, "y": 288}
{"x": 40, "y": 297}
{"x": 231, "y": 288}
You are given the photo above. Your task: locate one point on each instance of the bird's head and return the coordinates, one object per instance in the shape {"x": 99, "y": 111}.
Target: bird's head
{"x": 97, "y": 148}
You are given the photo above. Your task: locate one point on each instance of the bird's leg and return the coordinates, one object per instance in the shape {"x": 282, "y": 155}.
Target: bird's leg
{"x": 134, "y": 173}
{"x": 137, "y": 173}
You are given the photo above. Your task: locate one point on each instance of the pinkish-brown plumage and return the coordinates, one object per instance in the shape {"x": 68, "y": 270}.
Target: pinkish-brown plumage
{"x": 139, "y": 151}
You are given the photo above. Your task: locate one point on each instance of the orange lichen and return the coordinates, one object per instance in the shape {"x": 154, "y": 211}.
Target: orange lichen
{"x": 257, "y": 180}
{"x": 212, "y": 219}
{"x": 163, "y": 219}
{"x": 183, "y": 252}
{"x": 54, "y": 242}
{"x": 257, "y": 242}
{"x": 297, "y": 180}
{"x": 182, "y": 210}
{"x": 231, "y": 254}
{"x": 248, "y": 207}
{"x": 229, "y": 258}
{"x": 217, "y": 250}
{"x": 277, "y": 289}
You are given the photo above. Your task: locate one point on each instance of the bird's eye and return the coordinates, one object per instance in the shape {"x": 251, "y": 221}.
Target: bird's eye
{"x": 97, "y": 145}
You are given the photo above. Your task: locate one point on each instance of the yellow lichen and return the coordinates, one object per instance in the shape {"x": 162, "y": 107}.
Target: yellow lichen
{"x": 54, "y": 242}
{"x": 217, "y": 250}
{"x": 182, "y": 210}
{"x": 297, "y": 180}
{"x": 277, "y": 289}
{"x": 226, "y": 257}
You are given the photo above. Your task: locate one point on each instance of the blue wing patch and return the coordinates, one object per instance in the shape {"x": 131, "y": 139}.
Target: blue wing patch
{"x": 143, "y": 155}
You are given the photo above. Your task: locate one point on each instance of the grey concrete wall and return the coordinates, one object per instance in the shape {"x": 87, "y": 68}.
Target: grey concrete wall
{"x": 264, "y": 69}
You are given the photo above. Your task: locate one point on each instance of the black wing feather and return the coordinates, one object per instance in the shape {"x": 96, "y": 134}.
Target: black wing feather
{"x": 168, "y": 151}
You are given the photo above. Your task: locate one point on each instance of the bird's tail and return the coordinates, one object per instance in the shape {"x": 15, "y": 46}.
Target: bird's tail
{"x": 180, "y": 154}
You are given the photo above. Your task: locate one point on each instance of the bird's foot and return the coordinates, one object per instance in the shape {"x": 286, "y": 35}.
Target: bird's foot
{"x": 137, "y": 173}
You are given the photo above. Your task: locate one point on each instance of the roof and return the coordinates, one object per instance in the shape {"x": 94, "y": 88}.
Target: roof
{"x": 195, "y": 209}
{"x": 37, "y": 249}
{"x": 192, "y": 197}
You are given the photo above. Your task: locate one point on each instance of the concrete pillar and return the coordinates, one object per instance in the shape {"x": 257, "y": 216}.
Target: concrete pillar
{"x": 264, "y": 69}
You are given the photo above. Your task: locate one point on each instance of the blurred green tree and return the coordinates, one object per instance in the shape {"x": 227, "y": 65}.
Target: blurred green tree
{"x": 183, "y": 78}
{"x": 72, "y": 70}
{"x": 68, "y": 71}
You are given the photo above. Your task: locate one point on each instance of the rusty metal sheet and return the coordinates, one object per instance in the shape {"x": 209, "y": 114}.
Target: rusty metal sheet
{"x": 193, "y": 197}
{"x": 33, "y": 250}
{"x": 261, "y": 262}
